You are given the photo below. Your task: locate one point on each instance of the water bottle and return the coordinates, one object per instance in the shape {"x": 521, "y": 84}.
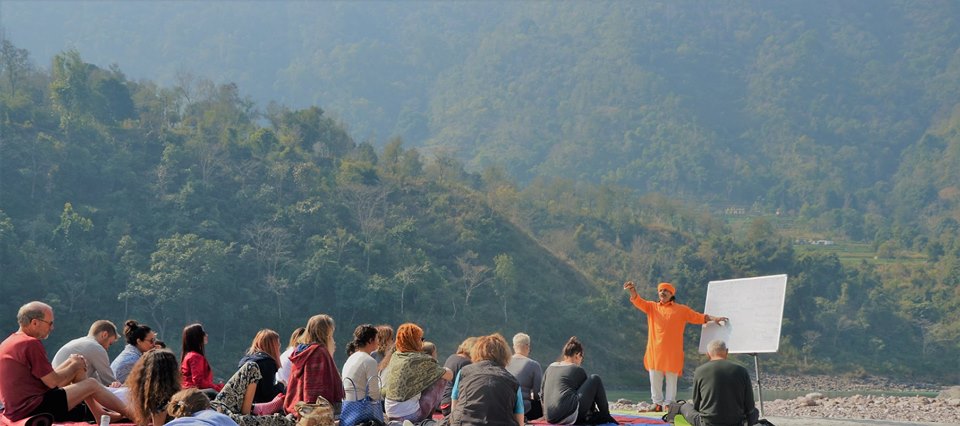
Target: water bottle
{"x": 104, "y": 420}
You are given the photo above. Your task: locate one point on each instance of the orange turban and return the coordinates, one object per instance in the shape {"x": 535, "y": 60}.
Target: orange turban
{"x": 667, "y": 287}
{"x": 409, "y": 338}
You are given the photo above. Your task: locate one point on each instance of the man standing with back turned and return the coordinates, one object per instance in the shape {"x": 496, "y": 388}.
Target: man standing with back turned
{"x": 29, "y": 385}
{"x": 722, "y": 392}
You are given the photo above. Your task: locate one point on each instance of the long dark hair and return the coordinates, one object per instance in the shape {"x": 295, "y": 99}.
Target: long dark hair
{"x": 362, "y": 336}
{"x": 192, "y": 340}
{"x": 133, "y": 331}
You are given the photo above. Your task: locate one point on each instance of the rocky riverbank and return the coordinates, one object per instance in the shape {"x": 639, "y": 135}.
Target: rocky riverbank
{"x": 891, "y": 408}
{"x": 943, "y": 408}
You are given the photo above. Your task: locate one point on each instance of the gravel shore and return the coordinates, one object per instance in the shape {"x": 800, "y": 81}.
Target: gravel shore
{"x": 815, "y": 409}
{"x": 887, "y": 408}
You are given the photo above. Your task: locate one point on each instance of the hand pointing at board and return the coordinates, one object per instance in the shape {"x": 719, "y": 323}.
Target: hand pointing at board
{"x": 717, "y": 320}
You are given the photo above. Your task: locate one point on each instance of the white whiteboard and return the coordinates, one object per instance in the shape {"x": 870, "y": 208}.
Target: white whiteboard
{"x": 755, "y": 309}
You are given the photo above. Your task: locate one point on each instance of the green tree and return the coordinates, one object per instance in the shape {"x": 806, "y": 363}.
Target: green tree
{"x": 184, "y": 269}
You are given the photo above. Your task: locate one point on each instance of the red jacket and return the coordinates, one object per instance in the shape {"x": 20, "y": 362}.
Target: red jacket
{"x": 313, "y": 374}
{"x": 197, "y": 373}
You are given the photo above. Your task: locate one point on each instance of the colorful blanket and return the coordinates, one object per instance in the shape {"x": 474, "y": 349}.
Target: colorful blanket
{"x": 624, "y": 418}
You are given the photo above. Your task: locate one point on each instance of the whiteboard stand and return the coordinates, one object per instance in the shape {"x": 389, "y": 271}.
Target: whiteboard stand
{"x": 756, "y": 365}
{"x": 754, "y": 307}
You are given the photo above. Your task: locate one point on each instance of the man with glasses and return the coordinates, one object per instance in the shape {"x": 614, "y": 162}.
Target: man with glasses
{"x": 94, "y": 348}
{"x": 29, "y": 385}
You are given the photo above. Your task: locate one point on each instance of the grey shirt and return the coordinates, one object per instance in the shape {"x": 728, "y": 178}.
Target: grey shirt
{"x": 529, "y": 374}
{"x": 98, "y": 362}
{"x": 560, "y": 399}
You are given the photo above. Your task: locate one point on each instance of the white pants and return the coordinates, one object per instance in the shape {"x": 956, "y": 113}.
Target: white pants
{"x": 656, "y": 387}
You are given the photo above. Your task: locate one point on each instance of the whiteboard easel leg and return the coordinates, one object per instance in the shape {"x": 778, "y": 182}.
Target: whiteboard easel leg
{"x": 756, "y": 364}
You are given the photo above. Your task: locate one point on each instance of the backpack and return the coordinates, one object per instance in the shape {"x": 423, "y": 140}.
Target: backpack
{"x": 673, "y": 410}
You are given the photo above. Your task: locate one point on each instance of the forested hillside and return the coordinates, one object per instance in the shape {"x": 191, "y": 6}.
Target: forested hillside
{"x": 172, "y": 204}
{"x": 827, "y": 112}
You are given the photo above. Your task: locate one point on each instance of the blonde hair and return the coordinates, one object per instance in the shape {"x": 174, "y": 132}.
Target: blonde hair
{"x": 466, "y": 346}
{"x": 268, "y": 342}
{"x": 385, "y": 345}
{"x": 384, "y": 338}
{"x": 295, "y": 336}
{"x": 319, "y": 330}
{"x": 187, "y": 402}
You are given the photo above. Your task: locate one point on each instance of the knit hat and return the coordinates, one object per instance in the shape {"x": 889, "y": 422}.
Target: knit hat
{"x": 667, "y": 287}
{"x": 409, "y": 338}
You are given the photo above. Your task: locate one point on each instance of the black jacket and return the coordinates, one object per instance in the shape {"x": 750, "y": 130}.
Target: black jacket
{"x": 267, "y": 387}
{"x": 487, "y": 395}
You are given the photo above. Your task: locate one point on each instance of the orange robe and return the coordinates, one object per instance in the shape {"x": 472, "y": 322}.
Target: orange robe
{"x": 665, "y": 324}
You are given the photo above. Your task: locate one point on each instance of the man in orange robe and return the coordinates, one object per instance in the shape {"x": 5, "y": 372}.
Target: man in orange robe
{"x": 666, "y": 320}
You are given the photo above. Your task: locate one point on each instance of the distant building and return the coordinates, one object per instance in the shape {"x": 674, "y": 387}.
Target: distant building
{"x": 735, "y": 211}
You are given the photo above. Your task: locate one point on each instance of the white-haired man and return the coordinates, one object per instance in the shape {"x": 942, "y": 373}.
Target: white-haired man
{"x": 722, "y": 392}
{"x": 529, "y": 373}
{"x": 29, "y": 385}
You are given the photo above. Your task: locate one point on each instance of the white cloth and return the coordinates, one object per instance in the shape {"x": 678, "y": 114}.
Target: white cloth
{"x": 656, "y": 387}
{"x": 360, "y": 368}
{"x": 123, "y": 393}
{"x": 400, "y": 409}
{"x": 283, "y": 374}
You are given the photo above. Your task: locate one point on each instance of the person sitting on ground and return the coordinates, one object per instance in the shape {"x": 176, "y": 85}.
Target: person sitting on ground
{"x": 484, "y": 392}
{"x": 29, "y": 385}
{"x": 529, "y": 373}
{"x": 430, "y": 348}
{"x": 416, "y": 380}
{"x": 360, "y": 367}
{"x": 569, "y": 395}
{"x": 314, "y": 372}
{"x": 236, "y": 400}
{"x": 194, "y": 367}
{"x": 722, "y": 392}
{"x": 152, "y": 382}
{"x": 384, "y": 352}
{"x": 455, "y": 362}
{"x": 140, "y": 339}
{"x": 94, "y": 348}
{"x": 384, "y": 345}
{"x": 283, "y": 374}
{"x": 190, "y": 407}
{"x": 265, "y": 351}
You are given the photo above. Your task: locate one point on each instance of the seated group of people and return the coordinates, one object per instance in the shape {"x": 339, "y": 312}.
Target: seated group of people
{"x": 483, "y": 383}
